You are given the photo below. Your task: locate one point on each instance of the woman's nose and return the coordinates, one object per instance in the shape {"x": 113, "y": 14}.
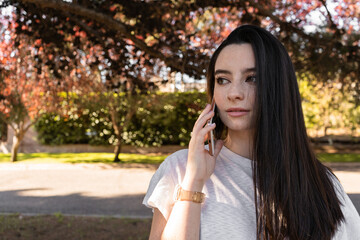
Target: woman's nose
{"x": 236, "y": 92}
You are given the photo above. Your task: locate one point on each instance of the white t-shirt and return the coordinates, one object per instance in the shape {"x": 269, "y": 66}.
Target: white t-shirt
{"x": 229, "y": 208}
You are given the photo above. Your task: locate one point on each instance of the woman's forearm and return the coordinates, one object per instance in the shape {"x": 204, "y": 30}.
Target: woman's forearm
{"x": 184, "y": 220}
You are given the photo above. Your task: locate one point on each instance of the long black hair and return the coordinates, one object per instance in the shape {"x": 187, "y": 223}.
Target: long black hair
{"x": 295, "y": 195}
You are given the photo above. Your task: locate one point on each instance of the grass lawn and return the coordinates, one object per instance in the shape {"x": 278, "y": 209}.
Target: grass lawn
{"x": 60, "y": 227}
{"x": 338, "y": 157}
{"x": 134, "y": 158}
{"x": 83, "y": 158}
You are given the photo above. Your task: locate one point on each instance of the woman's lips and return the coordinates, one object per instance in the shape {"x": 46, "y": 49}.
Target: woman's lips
{"x": 237, "y": 112}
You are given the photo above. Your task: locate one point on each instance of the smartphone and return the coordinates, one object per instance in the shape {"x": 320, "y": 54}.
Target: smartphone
{"x": 211, "y": 139}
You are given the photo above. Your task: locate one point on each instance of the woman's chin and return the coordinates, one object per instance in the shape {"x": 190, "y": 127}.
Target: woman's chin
{"x": 239, "y": 129}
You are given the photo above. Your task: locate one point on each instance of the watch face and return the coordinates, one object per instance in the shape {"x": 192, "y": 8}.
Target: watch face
{"x": 198, "y": 198}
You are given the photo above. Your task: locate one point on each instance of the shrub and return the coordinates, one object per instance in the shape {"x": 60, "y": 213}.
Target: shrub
{"x": 161, "y": 119}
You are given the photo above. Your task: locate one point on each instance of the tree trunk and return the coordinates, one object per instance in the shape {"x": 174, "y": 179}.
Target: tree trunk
{"x": 117, "y": 151}
{"x": 19, "y": 134}
{"x": 117, "y": 130}
{"x": 325, "y": 130}
{"x": 14, "y": 148}
{"x": 119, "y": 126}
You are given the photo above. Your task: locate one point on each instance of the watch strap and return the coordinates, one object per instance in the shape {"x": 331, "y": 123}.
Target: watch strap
{"x": 184, "y": 195}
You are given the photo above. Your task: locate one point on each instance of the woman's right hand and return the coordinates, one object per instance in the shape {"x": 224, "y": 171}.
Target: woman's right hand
{"x": 200, "y": 164}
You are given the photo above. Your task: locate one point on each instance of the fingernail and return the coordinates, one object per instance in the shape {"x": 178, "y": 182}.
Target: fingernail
{"x": 207, "y": 105}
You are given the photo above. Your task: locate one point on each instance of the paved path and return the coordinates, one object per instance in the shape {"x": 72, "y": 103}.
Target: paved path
{"x": 99, "y": 189}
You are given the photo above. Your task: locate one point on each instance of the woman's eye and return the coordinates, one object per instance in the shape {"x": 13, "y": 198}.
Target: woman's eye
{"x": 251, "y": 78}
{"x": 221, "y": 80}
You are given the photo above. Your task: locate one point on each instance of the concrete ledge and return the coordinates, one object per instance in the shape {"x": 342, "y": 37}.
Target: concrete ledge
{"x": 80, "y": 148}
{"x": 336, "y": 148}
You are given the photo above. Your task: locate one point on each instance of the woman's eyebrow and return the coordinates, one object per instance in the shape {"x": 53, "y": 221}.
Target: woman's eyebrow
{"x": 249, "y": 70}
{"x": 222, "y": 71}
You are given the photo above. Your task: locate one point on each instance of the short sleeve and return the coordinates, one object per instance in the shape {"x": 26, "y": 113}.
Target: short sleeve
{"x": 161, "y": 189}
{"x": 349, "y": 229}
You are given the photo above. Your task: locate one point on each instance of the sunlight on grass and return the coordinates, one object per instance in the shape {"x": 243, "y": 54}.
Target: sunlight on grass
{"x": 337, "y": 157}
{"x": 83, "y": 158}
{"x": 133, "y": 158}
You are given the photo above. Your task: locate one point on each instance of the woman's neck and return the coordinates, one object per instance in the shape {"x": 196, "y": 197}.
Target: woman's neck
{"x": 240, "y": 143}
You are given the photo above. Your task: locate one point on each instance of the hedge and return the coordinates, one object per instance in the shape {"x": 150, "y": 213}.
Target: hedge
{"x": 161, "y": 119}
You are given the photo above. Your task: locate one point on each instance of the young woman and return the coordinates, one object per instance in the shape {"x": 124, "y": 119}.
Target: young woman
{"x": 263, "y": 181}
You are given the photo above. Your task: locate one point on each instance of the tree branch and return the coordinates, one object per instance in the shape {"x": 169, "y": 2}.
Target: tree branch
{"x": 109, "y": 23}
{"x": 289, "y": 26}
{"x": 333, "y": 25}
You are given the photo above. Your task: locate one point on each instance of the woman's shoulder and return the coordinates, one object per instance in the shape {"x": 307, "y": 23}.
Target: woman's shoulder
{"x": 339, "y": 189}
{"x": 175, "y": 162}
{"x": 178, "y": 157}
{"x": 179, "y": 154}
{"x": 349, "y": 228}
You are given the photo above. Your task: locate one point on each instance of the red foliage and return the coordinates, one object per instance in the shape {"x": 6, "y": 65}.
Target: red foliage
{"x": 24, "y": 92}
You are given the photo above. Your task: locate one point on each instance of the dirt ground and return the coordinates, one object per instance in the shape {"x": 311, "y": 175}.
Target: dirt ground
{"x": 59, "y": 227}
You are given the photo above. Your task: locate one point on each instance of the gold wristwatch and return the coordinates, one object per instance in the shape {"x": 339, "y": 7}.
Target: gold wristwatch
{"x": 183, "y": 195}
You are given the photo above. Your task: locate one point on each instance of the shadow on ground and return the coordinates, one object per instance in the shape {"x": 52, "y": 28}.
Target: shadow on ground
{"x": 17, "y": 201}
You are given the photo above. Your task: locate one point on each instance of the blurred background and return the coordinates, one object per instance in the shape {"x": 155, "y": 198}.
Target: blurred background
{"x": 97, "y": 81}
